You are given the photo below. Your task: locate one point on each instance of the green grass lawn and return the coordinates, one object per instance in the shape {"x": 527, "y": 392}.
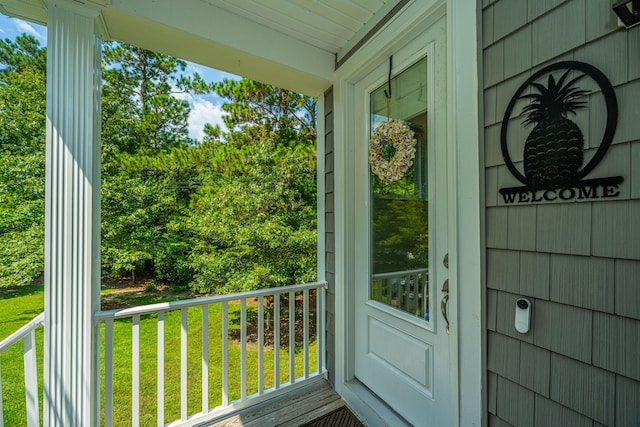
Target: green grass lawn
{"x": 17, "y": 307}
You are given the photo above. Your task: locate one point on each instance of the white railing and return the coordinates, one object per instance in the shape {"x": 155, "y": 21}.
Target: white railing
{"x": 215, "y": 312}
{"x": 406, "y": 290}
{"x": 27, "y": 334}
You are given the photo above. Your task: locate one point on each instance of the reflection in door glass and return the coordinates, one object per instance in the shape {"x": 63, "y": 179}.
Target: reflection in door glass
{"x": 399, "y": 209}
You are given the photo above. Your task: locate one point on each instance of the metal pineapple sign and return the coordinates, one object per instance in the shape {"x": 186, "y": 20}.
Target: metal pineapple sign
{"x": 553, "y": 164}
{"x": 554, "y": 150}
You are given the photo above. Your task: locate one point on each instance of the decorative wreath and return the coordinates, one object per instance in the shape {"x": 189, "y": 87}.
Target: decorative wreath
{"x": 389, "y": 136}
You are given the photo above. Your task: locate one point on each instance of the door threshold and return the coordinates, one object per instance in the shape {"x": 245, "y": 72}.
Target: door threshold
{"x": 369, "y": 407}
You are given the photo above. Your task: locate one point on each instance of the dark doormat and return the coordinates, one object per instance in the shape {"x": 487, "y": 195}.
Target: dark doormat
{"x": 341, "y": 417}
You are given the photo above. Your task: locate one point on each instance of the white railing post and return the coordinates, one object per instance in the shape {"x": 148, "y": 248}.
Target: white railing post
{"x": 205, "y": 358}
{"x": 1, "y": 409}
{"x": 31, "y": 379}
{"x": 135, "y": 371}
{"x": 108, "y": 372}
{"x": 276, "y": 340}
{"x": 183, "y": 366}
{"x": 260, "y": 345}
{"x": 320, "y": 328}
{"x": 292, "y": 337}
{"x": 305, "y": 330}
{"x": 225, "y": 354}
{"x": 160, "y": 373}
{"x": 243, "y": 349}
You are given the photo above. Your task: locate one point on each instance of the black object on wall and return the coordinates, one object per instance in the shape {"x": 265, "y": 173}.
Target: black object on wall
{"x": 628, "y": 11}
{"x": 553, "y": 165}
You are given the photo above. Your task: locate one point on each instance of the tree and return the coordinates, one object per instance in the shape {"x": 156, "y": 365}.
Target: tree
{"x": 21, "y": 218}
{"x": 141, "y": 228}
{"x": 144, "y": 125}
{"x": 22, "y": 112}
{"x": 22, "y": 95}
{"x": 22, "y": 160}
{"x": 257, "y": 229}
{"x": 140, "y": 107}
{"x": 258, "y": 110}
{"x": 234, "y": 212}
{"x": 21, "y": 54}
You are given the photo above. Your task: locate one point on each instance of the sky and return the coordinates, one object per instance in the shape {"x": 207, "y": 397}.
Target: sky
{"x": 204, "y": 108}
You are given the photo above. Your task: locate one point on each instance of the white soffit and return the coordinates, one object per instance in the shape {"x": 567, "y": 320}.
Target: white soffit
{"x": 29, "y": 10}
{"x": 327, "y": 24}
{"x": 289, "y": 43}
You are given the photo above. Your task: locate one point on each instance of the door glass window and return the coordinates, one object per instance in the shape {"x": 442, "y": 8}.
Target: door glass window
{"x": 399, "y": 208}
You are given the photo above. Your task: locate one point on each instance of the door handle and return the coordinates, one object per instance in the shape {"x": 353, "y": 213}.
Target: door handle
{"x": 443, "y": 304}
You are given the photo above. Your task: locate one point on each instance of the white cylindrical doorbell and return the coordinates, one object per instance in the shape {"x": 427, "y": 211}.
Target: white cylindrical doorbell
{"x": 523, "y": 315}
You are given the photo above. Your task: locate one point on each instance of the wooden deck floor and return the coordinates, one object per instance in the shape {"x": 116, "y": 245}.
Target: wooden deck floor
{"x": 290, "y": 409}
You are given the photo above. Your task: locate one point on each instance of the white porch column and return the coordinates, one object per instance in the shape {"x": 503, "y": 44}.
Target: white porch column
{"x": 72, "y": 216}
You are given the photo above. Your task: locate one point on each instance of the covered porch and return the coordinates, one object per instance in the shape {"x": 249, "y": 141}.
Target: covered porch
{"x": 319, "y": 48}
{"x": 235, "y": 351}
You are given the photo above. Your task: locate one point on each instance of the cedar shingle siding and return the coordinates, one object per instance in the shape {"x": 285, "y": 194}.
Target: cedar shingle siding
{"x": 577, "y": 261}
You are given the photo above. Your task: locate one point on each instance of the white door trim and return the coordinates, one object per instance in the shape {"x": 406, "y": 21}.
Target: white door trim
{"x": 466, "y": 271}
{"x": 467, "y": 181}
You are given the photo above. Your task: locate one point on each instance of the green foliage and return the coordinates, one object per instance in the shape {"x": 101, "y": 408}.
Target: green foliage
{"x": 149, "y": 169}
{"x": 22, "y": 161}
{"x": 258, "y": 110}
{"x": 21, "y": 192}
{"x": 21, "y": 218}
{"x": 138, "y": 227}
{"x": 400, "y": 234}
{"x": 22, "y": 54}
{"x": 145, "y": 205}
{"x": 22, "y": 112}
{"x": 257, "y": 229}
{"x": 21, "y": 256}
{"x": 140, "y": 108}
{"x": 236, "y": 211}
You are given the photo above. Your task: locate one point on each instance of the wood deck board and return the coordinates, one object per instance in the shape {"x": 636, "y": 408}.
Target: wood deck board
{"x": 293, "y": 411}
{"x": 289, "y": 409}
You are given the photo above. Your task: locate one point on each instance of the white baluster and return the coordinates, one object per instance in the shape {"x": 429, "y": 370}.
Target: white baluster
{"x": 292, "y": 337}
{"x": 160, "y": 374}
{"x": 1, "y": 410}
{"x": 243, "y": 350}
{"x": 183, "y": 366}
{"x": 276, "y": 340}
{"x": 305, "y": 330}
{"x": 225, "y": 354}
{"x": 108, "y": 372}
{"x": 205, "y": 359}
{"x": 135, "y": 371}
{"x": 260, "y": 345}
{"x": 31, "y": 379}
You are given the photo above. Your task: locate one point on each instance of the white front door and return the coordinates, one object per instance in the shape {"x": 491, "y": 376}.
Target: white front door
{"x": 403, "y": 348}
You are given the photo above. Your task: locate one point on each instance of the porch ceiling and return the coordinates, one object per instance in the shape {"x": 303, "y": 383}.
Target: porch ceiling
{"x": 289, "y": 43}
